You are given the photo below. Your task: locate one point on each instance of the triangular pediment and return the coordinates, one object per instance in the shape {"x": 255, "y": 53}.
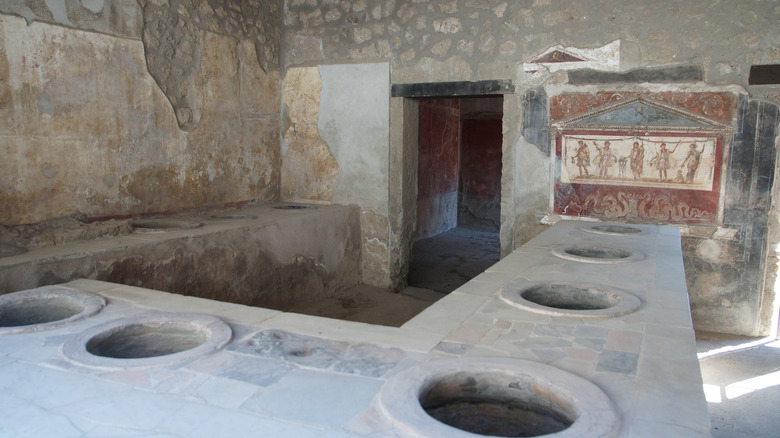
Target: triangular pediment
{"x": 557, "y": 56}
{"x": 641, "y": 113}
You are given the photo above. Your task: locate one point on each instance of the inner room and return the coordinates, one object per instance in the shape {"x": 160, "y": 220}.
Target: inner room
{"x": 458, "y": 191}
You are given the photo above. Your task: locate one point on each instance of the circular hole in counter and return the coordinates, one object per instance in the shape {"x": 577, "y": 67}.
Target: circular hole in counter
{"x": 570, "y": 300}
{"x": 493, "y": 404}
{"x": 489, "y": 396}
{"x": 598, "y": 254}
{"x": 45, "y": 308}
{"x": 154, "y": 339}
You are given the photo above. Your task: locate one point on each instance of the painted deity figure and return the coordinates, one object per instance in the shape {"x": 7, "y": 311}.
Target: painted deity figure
{"x": 582, "y": 158}
{"x": 662, "y": 161}
{"x": 604, "y": 159}
{"x": 637, "y": 159}
{"x": 692, "y": 160}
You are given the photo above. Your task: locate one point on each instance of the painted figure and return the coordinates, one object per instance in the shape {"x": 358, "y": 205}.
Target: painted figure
{"x": 604, "y": 160}
{"x": 695, "y": 158}
{"x": 662, "y": 162}
{"x": 637, "y": 158}
{"x": 582, "y": 157}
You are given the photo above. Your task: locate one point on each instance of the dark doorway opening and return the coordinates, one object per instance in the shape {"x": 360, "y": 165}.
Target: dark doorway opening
{"x": 459, "y": 191}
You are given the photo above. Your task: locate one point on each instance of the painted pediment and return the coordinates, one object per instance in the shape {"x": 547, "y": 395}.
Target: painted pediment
{"x": 643, "y": 114}
{"x": 557, "y": 56}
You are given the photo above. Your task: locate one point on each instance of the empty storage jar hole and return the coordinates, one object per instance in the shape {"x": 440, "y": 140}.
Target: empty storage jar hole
{"x": 561, "y": 296}
{"x": 495, "y": 405}
{"x": 597, "y": 252}
{"x": 34, "y": 311}
{"x": 139, "y": 341}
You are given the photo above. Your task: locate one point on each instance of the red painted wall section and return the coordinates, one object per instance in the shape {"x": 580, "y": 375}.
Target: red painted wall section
{"x": 480, "y": 173}
{"x": 437, "y": 169}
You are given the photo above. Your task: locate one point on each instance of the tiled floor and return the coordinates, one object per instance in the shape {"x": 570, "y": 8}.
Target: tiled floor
{"x": 742, "y": 384}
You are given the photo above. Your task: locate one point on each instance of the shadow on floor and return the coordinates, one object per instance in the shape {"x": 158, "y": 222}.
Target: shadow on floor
{"x": 448, "y": 260}
{"x": 441, "y": 264}
{"x": 742, "y": 383}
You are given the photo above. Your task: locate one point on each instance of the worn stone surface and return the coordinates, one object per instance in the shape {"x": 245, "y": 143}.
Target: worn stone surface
{"x": 173, "y": 49}
{"x": 308, "y": 351}
{"x": 308, "y": 167}
{"x": 121, "y": 18}
{"x": 172, "y": 37}
{"x": 98, "y": 137}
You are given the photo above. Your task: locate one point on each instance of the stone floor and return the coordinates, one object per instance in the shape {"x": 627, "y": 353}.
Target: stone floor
{"x": 742, "y": 384}
{"x": 448, "y": 260}
{"x": 441, "y": 264}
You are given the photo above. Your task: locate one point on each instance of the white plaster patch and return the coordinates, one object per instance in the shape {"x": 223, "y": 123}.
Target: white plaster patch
{"x": 606, "y": 58}
{"x": 93, "y": 5}
{"x": 709, "y": 249}
{"x": 354, "y": 121}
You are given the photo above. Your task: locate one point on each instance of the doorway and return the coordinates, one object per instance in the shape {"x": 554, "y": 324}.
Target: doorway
{"x": 458, "y": 191}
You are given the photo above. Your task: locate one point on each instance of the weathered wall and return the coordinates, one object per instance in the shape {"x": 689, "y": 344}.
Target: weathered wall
{"x": 336, "y": 148}
{"x": 438, "y": 165}
{"x": 713, "y": 43}
{"x": 279, "y": 259}
{"x": 84, "y": 127}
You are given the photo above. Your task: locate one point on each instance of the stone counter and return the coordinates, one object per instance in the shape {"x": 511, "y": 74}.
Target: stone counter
{"x": 290, "y": 375}
{"x": 269, "y": 256}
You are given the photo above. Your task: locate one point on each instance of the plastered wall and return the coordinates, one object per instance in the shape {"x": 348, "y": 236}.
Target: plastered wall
{"x": 85, "y": 128}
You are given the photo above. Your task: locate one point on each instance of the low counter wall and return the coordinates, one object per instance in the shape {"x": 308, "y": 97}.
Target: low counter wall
{"x": 263, "y": 256}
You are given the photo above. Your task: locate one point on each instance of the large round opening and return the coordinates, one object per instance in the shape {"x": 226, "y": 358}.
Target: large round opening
{"x": 598, "y": 252}
{"x": 492, "y": 396}
{"x": 45, "y": 308}
{"x": 33, "y": 311}
{"x": 570, "y": 300}
{"x": 152, "y": 339}
{"x": 138, "y": 341}
{"x": 567, "y": 297}
{"x": 494, "y": 405}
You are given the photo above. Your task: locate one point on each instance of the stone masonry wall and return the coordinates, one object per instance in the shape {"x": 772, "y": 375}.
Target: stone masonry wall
{"x": 699, "y": 46}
